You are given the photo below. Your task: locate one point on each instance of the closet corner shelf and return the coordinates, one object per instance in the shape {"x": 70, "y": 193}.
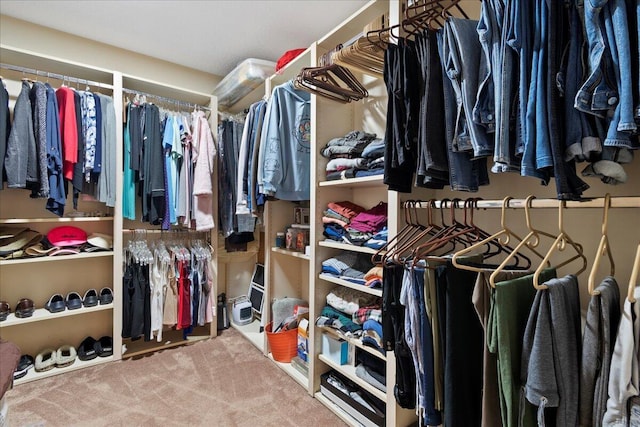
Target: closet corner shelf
{"x": 346, "y": 247}
{"x": 365, "y": 181}
{"x": 356, "y": 342}
{"x": 347, "y": 284}
{"x": 290, "y": 253}
{"x": 56, "y": 219}
{"x": 42, "y": 314}
{"x": 340, "y": 413}
{"x": 251, "y": 332}
{"x": 32, "y": 375}
{"x": 293, "y": 372}
{"x": 83, "y": 255}
{"x": 349, "y": 371}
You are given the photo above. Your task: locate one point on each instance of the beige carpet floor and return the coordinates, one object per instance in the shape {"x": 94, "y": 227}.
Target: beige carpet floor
{"x": 223, "y": 381}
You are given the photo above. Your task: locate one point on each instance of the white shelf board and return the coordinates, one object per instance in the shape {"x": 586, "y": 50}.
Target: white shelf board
{"x": 340, "y": 413}
{"x": 41, "y": 314}
{"x": 252, "y": 333}
{"x": 56, "y": 219}
{"x": 81, "y": 255}
{"x": 293, "y": 372}
{"x": 32, "y": 375}
{"x": 287, "y": 252}
{"x": 346, "y": 247}
{"x": 347, "y": 284}
{"x": 349, "y": 371}
{"x": 365, "y": 181}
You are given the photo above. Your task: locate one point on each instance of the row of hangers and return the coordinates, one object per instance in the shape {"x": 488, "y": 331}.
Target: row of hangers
{"x": 330, "y": 80}
{"x": 141, "y": 250}
{"x": 423, "y": 15}
{"x": 417, "y": 241}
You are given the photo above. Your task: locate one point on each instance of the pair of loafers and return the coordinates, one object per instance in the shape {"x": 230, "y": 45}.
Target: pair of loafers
{"x": 25, "y": 308}
{"x": 60, "y": 358}
{"x": 91, "y": 348}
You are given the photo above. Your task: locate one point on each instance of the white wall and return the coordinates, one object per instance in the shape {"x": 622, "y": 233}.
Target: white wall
{"x": 23, "y": 35}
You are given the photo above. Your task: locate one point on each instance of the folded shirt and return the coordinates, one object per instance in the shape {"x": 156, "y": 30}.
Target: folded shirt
{"x": 349, "y": 300}
{"x": 374, "y": 149}
{"x": 371, "y": 220}
{"x": 346, "y": 208}
{"x": 342, "y": 164}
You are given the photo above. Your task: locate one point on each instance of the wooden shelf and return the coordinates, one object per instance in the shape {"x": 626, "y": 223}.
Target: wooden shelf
{"x": 347, "y": 284}
{"x": 32, "y": 375}
{"x": 365, "y": 181}
{"x": 354, "y": 341}
{"x": 251, "y": 332}
{"x": 41, "y": 315}
{"x": 82, "y": 255}
{"x": 293, "y": 372}
{"x": 55, "y": 219}
{"x": 346, "y": 247}
{"x": 288, "y": 252}
{"x": 349, "y": 371}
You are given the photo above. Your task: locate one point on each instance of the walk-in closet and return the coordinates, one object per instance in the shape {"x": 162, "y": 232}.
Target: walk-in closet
{"x": 425, "y": 215}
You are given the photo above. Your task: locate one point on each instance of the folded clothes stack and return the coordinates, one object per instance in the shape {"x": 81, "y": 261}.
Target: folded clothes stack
{"x": 356, "y": 154}
{"x": 349, "y": 223}
{"x": 348, "y": 266}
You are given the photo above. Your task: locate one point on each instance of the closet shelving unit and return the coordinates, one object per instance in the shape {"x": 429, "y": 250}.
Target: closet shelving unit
{"x": 23, "y": 277}
{"x": 39, "y": 278}
{"x": 172, "y": 98}
{"x": 331, "y": 120}
{"x": 286, "y": 271}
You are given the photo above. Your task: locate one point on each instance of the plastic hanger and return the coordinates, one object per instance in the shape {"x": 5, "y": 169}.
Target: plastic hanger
{"x": 633, "y": 280}
{"x": 502, "y": 238}
{"x": 560, "y": 244}
{"x": 603, "y": 249}
{"x": 531, "y": 240}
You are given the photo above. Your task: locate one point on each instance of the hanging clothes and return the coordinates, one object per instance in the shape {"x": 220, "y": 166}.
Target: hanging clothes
{"x": 598, "y": 340}
{"x": 21, "y": 158}
{"x": 624, "y": 376}
{"x": 5, "y": 128}
{"x": 204, "y": 152}
{"x": 551, "y": 352}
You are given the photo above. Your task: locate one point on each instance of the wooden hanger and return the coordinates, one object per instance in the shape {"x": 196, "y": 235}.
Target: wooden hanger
{"x": 603, "y": 249}
{"x": 411, "y": 232}
{"x": 633, "y": 280}
{"x": 560, "y": 244}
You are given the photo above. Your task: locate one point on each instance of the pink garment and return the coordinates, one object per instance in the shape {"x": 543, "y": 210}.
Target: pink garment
{"x": 329, "y": 220}
{"x": 204, "y": 153}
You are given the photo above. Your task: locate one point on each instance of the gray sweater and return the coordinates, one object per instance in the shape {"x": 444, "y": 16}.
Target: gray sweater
{"x": 603, "y": 316}
{"x": 551, "y": 351}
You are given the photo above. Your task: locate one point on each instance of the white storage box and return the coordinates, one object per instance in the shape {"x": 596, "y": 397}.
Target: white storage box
{"x": 248, "y": 75}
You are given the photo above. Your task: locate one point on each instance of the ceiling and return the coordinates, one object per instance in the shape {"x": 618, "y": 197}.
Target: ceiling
{"x": 208, "y": 35}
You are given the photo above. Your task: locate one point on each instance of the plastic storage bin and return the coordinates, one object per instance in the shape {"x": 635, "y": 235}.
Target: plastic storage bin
{"x": 248, "y": 75}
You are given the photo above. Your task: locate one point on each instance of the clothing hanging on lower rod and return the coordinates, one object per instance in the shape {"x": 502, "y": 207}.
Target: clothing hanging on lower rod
{"x": 167, "y": 283}
{"x": 463, "y": 335}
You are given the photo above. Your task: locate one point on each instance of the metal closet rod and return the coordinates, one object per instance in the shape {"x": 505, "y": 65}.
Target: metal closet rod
{"x": 165, "y": 99}
{"x": 56, "y": 76}
{"x": 597, "y": 202}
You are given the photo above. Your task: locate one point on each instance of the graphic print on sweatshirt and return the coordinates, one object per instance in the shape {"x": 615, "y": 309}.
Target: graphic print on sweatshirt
{"x": 302, "y": 133}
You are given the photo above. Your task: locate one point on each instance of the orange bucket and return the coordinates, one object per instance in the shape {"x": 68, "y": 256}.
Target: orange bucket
{"x": 284, "y": 345}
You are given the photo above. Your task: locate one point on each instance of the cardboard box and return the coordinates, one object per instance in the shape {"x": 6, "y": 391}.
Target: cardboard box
{"x": 303, "y": 339}
{"x": 335, "y": 349}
